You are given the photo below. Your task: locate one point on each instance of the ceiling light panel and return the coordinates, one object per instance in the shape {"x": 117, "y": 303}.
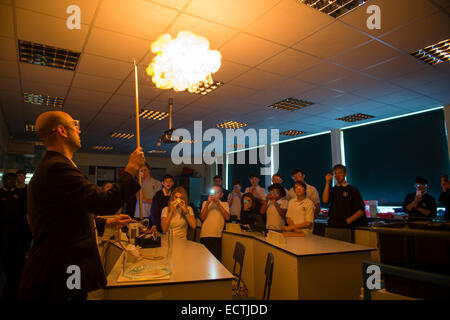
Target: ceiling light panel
{"x": 102, "y": 148}
{"x": 290, "y": 104}
{"x": 334, "y": 8}
{"x": 205, "y": 88}
{"x": 157, "y": 151}
{"x": 43, "y": 100}
{"x": 121, "y": 135}
{"x": 30, "y": 128}
{"x": 355, "y": 117}
{"x": 152, "y": 114}
{"x": 43, "y": 55}
{"x": 292, "y": 133}
{"x": 434, "y": 54}
{"x": 232, "y": 125}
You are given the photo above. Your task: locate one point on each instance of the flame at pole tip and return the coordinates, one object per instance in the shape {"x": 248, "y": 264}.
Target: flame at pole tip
{"x": 183, "y": 63}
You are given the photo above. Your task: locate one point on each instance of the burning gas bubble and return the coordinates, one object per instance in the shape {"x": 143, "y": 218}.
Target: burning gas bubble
{"x": 184, "y": 63}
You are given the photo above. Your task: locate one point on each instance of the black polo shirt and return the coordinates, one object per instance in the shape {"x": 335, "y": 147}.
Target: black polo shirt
{"x": 344, "y": 202}
{"x": 427, "y": 202}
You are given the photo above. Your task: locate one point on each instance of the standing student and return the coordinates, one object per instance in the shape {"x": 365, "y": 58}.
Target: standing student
{"x": 275, "y": 207}
{"x": 178, "y": 215}
{"x": 347, "y": 209}
{"x": 420, "y": 205}
{"x": 159, "y": 201}
{"x": 213, "y": 215}
{"x": 311, "y": 192}
{"x": 150, "y": 186}
{"x": 277, "y": 179}
{"x": 60, "y": 199}
{"x": 217, "y": 180}
{"x": 250, "y": 211}
{"x": 444, "y": 197}
{"x": 257, "y": 191}
{"x": 15, "y": 237}
{"x": 300, "y": 212}
{"x": 234, "y": 200}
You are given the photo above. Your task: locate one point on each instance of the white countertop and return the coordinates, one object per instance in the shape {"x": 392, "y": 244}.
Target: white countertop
{"x": 310, "y": 244}
{"x": 192, "y": 262}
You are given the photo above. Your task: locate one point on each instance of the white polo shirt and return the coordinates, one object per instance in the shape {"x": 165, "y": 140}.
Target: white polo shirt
{"x": 311, "y": 194}
{"x": 178, "y": 223}
{"x": 214, "y": 222}
{"x": 274, "y": 220}
{"x": 301, "y": 211}
{"x": 260, "y": 192}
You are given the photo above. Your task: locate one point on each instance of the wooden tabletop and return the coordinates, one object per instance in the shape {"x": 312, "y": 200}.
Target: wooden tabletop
{"x": 192, "y": 262}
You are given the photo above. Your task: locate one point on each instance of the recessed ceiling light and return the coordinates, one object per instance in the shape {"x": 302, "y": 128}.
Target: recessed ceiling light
{"x": 157, "y": 151}
{"x": 121, "y": 135}
{"x": 232, "y": 125}
{"x": 237, "y": 146}
{"x": 434, "y": 54}
{"x": 43, "y": 100}
{"x": 205, "y": 88}
{"x": 355, "y": 117}
{"x": 152, "y": 114}
{"x": 30, "y": 128}
{"x": 334, "y": 8}
{"x": 291, "y": 104}
{"x": 43, "y": 55}
{"x": 292, "y": 133}
{"x": 102, "y": 148}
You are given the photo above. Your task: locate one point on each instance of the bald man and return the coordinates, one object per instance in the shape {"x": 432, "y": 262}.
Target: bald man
{"x": 64, "y": 262}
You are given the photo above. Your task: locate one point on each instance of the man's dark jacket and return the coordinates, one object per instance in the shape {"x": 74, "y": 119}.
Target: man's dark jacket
{"x": 60, "y": 200}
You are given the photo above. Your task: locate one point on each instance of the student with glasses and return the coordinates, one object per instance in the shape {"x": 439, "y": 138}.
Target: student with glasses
{"x": 420, "y": 205}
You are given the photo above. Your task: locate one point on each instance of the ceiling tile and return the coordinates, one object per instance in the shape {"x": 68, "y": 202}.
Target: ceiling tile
{"x": 398, "y": 96}
{"x": 104, "y": 67}
{"x": 72, "y": 105}
{"x": 236, "y": 14}
{"x": 352, "y": 83}
{"x": 179, "y": 98}
{"x": 59, "y": 8}
{"x": 366, "y": 55}
{"x": 36, "y": 27}
{"x": 88, "y": 95}
{"x": 217, "y": 34}
{"x": 394, "y": 14}
{"x": 396, "y": 67}
{"x": 138, "y": 18}
{"x": 289, "y": 62}
{"x": 291, "y": 88}
{"x": 264, "y": 97}
{"x": 6, "y": 21}
{"x": 257, "y": 79}
{"x": 123, "y": 104}
{"x": 9, "y": 69}
{"x": 116, "y": 46}
{"x": 421, "y": 34}
{"x": 8, "y": 49}
{"x": 323, "y": 73}
{"x": 320, "y": 94}
{"x": 85, "y": 81}
{"x": 376, "y": 90}
{"x": 36, "y": 73}
{"x": 146, "y": 92}
{"x": 45, "y": 89}
{"x": 249, "y": 50}
{"x": 10, "y": 85}
{"x": 228, "y": 71}
{"x": 332, "y": 40}
{"x": 290, "y": 22}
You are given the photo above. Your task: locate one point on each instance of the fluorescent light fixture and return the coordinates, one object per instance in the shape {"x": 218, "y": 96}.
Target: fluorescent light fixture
{"x": 43, "y": 100}
{"x": 30, "y": 128}
{"x": 205, "y": 88}
{"x": 434, "y": 54}
{"x": 292, "y": 133}
{"x": 43, "y": 55}
{"x": 157, "y": 151}
{"x": 290, "y": 104}
{"x": 188, "y": 141}
{"x": 303, "y": 137}
{"x": 102, "y": 148}
{"x": 232, "y": 125}
{"x": 152, "y": 114}
{"x": 391, "y": 118}
{"x": 334, "y": 8}
{"x": 121, "y": 135}
{"x": 355, "y": 117}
